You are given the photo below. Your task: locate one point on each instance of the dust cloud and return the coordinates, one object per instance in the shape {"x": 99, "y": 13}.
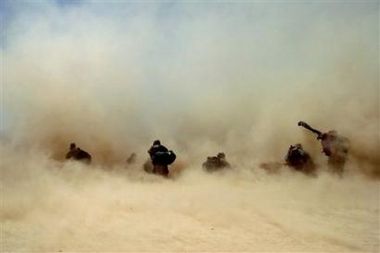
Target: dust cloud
{"x": 202, "y": 78}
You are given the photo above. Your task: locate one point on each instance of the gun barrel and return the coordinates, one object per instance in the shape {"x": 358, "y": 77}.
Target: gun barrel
{"x": 308, "y": 127}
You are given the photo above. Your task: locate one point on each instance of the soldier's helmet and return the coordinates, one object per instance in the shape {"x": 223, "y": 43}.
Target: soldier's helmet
{"x": 72, "y": 145}
{"x": 221, "y": 155}
{"x": 157, "y": 142}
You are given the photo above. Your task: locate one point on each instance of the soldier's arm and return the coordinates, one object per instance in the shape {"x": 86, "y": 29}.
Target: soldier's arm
{"x": 163, "y": 149}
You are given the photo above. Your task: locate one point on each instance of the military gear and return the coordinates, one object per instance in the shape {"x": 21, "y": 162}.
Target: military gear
{"x": 167, "y": 157}
{"x": 78, "y": 154}
{"x": 214, "y": 163}
{"x": 299, "y": 159}
{"x": 308, "y": 127}
{"x": 334, "y": 146}
{"x": 161, "y": 157}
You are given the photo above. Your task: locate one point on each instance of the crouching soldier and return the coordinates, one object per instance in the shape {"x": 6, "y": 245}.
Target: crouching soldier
{"x": 299, "y": 159}
{"x": 161, "y": 158}
{"x": 334, "y": 146}
{"x": 214, "y": 163}
{"x": 75, "y": 153}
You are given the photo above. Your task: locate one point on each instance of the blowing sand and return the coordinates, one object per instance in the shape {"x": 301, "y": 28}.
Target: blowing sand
{"x": 49, "y": 207}
{"x": 203, "y": 78}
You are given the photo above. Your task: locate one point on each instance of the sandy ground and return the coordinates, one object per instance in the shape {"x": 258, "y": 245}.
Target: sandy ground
{"x": 50, "y": 207}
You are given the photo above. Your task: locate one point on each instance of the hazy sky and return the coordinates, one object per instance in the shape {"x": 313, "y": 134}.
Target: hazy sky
{"x": 136, "y": 65}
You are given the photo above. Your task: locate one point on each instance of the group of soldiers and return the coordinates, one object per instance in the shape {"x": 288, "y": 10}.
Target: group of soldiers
{"x": 160, "y": 157}
{"x": 334, "y": 146}
{"x": 215, "y": 163}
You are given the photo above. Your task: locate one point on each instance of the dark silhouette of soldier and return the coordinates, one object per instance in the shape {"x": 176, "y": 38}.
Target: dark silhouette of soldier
{"x": 156, "y": 147}
{"x": 334, "y": 146}
{"x": 161, "y": 157}
{"x": 299, "y": 159}
{"x": 78, "y": 154}
{"x": 214, "y": 163}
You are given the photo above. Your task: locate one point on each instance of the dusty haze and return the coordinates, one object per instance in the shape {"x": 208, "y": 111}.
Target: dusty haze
{"x": 203, "y": 78}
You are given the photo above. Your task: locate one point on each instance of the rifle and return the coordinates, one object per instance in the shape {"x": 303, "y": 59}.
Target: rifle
{"x": 305, "y": 125}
